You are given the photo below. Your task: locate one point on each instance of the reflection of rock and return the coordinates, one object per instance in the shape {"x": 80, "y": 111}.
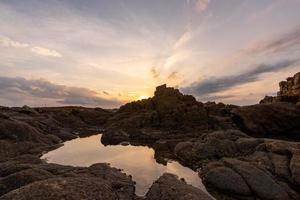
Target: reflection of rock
{"x": 289, "y": 91}
{"x": 168, "y": 187}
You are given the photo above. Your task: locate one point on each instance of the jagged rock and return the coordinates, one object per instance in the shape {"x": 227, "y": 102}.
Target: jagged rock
{"x": 289, "y": 91}
{"x": 168, "y": 187}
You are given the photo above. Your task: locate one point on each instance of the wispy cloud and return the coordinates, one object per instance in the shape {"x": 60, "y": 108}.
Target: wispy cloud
{"x": 7, "y": 42}
{"x": 278, "y": 44}
{"x": 19, "y": 89}
{"x": 214, "y": 85}
{"x": 45, "y": 52}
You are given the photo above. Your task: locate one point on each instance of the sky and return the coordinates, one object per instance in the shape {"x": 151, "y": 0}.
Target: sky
{"x": 108, "y": 52}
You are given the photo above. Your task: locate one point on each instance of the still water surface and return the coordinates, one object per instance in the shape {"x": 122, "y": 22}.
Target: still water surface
{"x": 135, "y": 160}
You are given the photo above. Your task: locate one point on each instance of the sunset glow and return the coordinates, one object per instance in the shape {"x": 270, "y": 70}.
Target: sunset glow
{"x": 106, "y": 53}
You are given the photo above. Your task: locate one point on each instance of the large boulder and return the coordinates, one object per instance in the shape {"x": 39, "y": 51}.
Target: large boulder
{"x": 227, "y": 180}
{"x": 260, "y": 182}
{"x": 168, "y": 187}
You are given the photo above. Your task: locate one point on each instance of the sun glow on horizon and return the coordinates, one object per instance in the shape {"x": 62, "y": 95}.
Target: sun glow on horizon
{"x": 143, "y": 97}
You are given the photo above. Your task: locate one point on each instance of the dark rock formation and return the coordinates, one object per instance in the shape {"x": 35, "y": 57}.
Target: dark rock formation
{"x": 289, "y": 91}
{"x": 168, "y": 187}
{"x": 169, "y": 114}
{"x": 280, "y": 120}
{"x": 31, "y": 181}
{"x": 236, "y": 166}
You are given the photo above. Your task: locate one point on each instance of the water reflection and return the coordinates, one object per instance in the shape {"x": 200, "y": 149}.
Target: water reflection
{"x": 138, "y": 161}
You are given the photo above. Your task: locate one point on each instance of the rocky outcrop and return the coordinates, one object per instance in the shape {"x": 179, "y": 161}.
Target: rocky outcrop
{"x": 168, "y": 187}
{"x": 279, "y": 120}
{"x": 289, "y": 91}
{"x": 236, "y": 166}
{"x": 169, "y": 114}
{"x": 28, "y": 130}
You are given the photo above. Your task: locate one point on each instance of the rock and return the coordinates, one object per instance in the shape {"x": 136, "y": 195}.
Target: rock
{"x": 281, "y": 165}
{"x": 289, "y": 91}
{"x": 280, "y": 120}
{"x": 215, "y": 145}
{"x": 66, "y": 188}
{"x": 260, "y": 182}
{"x": 51, "y": 181}
{"x": 168, "y": 187}
{"x": 228, "y": 181}
{"x": 169, "y": 111}
{"x": 24, "y": 177}
{"x": 295, "y": 168}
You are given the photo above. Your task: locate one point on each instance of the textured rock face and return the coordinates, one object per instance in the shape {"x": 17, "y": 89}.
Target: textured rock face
{"x": 32, "y": 130}
{"x": 236, "y": 166}
{"x": 168, "y": 187}
{"x": 289, "y": 91}
{"x": 48, "y": 181}
{"x": 290, "y": 87}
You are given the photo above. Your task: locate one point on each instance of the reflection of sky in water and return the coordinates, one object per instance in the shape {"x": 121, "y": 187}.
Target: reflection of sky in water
{"x": 135, "y": 160}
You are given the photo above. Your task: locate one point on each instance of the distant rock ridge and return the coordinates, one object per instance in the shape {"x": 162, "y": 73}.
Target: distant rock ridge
{"x": 289, "y": 91}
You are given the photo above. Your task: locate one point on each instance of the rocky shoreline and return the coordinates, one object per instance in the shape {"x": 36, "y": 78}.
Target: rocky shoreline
{"x": 248, "y": 152}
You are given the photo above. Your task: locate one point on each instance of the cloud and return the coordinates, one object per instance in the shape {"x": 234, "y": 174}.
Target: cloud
{"x": 201, "y": 5}
{"x": 45, "y": 52}
{"x": 214, "y": 85}
{"x": 154, "y": 73}
{"x": 106, "y": 93}
{"x": 275, "y": 45}
{"x": 184, "y": 39}
{"x": 173, "y": 75}
{"x": 7, "y": 42}
{"x": 19, "y": 89}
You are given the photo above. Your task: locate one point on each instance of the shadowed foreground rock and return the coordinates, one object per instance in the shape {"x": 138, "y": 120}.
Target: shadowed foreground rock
{"x": 236, "y": 166}
{"x": 29, "y": 181}
{"x": 279, "y": 120}
{"x": 168, "y": 187}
